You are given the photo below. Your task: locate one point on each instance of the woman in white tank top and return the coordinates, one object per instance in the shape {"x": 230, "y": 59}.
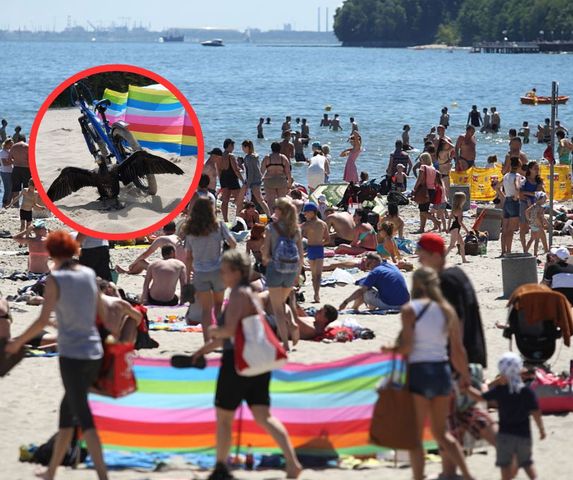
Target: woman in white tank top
{"x": 429, "y": 326}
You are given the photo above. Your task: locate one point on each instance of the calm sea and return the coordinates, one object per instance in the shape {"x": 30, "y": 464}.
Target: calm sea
{"x": 231, "y": 87}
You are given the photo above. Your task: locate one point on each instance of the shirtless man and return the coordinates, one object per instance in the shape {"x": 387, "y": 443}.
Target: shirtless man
{"x": 161, "y": 279}
{"x": 342, "y": 225}
{"x": 515, "y": 151}
{"x": 316, "y": 233}
{"x": 325, "y": 122}
{"x": 287, "y": 147}
{"x": 486, "y": 121}
{"x": 169, "y": 237}
{"x": 21, "y": 171}
{"x": 38, "y": 254}
{"x": 305, "y": 131}
{"x": 285, "y": 127}
{"x": 210, "y": 168}
{"x": 260, "y": 132}
{"x": 353, "y": 125}
{"x": 298, "y": 144}
{"x": 445, "y": 118}
{"x": 297, "y": 200}
{"x": 465, "y": 150}
{"x": 121, "y": 319}
{"x": 495, "y": 120}
{"x": 312, "y": 327}
{"x": 335, "y": 123}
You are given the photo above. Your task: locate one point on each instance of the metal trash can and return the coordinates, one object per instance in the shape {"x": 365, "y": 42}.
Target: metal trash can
{"x": 460, "y": 188}
{"x": 491, "y": 222}
{"x": 517, "y": 269}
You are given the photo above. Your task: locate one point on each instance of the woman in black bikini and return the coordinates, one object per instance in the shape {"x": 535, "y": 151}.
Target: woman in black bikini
{"x": 229, "y": 178}
{"x": 277, "y": 177}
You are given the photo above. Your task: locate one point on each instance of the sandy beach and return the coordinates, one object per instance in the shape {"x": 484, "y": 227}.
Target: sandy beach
{"x": 30, "y": 395}
{"x": 60, "y": 143}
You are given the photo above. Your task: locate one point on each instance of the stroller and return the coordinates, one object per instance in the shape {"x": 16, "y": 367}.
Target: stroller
{"x": 538, "y": 317}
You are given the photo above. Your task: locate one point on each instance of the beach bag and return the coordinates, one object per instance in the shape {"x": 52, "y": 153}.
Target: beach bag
{"x": 257, "y": 348}
{"x": 75, "y": 454}
{"x": 116, "y": 378}
{"x": 393, "y": 423}
{"x": 385, "y": 186}
{"x": 471, "y": 244}
{"x": 285, "y": 254}
{"x": 554, "y": 394}
{"x": 439, "y": 195}
{"x": 398, "y": 198}
{"x": 420, "y": 193}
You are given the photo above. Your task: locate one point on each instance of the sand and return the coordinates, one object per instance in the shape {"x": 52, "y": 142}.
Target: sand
{"x": 60, "y": 143}
{"x": 30, "y": 395}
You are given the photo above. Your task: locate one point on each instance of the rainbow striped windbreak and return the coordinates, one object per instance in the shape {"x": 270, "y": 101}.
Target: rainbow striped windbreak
{"x": 325, "y": 407}
{"x": 156, "y": 118}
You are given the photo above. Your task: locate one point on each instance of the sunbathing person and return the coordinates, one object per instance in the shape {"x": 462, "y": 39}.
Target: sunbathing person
{"x": 38, "y": 254}
{"x": 387, "y": 247}
{"x": 162, "y": 278}
{"x": 364, "y": 236}
{"x": 169, "y": 237}
{"x": 313, "y": 327}
{"x": 342, "y": 226}
{"x": 393, "y": 217}
{"x": 121, "y": 319}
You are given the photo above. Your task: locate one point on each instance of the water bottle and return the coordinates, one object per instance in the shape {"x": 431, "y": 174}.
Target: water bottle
{"x": 249, "y": 459}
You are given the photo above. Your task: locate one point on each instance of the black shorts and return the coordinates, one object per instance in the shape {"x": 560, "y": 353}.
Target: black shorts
{"x": 160, "y": 303}
{"x": 232, "y": 388}
{"x": 20, "y": 178}
{"x": 98, "y": 260}
{"x": 26, "y": 215}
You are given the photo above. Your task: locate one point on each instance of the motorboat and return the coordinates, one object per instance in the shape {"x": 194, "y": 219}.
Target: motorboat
{"x": 213, "y": 43}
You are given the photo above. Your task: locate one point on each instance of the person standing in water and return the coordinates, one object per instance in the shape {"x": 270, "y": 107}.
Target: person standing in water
{"x": 353, "y": 125}
{"x": 304, "y": 131}
{"x": 325, "y": 122}
{"x": 287, "y": 147}
{"x": 260, "y": 131}
{"x": 350, "y": 170}
{"x": 445, "y": 118}
{"x": 406, "y": 137}
{"x": 335, "y": 123}
{"x": 298, "y": 143}
{"x": 285, "y": 127}
{"x": 474, "y": 117}
{"x": 486, "y": 125}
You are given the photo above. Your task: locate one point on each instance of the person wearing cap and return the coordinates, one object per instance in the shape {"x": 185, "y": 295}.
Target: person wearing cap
{"x": 210, "y": 168}
{"x": 383, "y": 288}
{"x": 230, "y": 179}
{"x": 558, "y": 272}
{"x": 316, "y": 233}
{"x": 38, "y": 254}
{"x": 459, "y": 291}
{"x": 317, "y": 168}
{"x": 535, "y": 215}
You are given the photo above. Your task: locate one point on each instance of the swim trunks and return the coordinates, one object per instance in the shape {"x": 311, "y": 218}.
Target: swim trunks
{"x": 315, "y": 252}
{"x": 170, "y": 303}
{"x": 26, "y": 215}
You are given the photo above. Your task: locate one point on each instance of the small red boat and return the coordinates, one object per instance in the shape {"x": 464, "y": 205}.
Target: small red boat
{"x": 543, "y": 100}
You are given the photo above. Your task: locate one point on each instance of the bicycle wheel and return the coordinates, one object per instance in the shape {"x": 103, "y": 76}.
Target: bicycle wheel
{"x": 126, "y": 144}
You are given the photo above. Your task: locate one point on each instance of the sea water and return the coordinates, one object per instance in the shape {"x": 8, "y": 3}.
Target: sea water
{"x": 231, "y": 87}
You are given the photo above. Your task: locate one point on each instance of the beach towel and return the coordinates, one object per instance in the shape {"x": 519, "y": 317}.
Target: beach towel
{"x": 180, "y": 326}
{"x": 380, "y": 311}
{"x": 22, "y": 276}
{"x": 172, "y": 411}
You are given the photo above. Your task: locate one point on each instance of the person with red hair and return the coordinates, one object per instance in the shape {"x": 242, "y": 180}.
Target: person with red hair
{"x": 71, "y": 291}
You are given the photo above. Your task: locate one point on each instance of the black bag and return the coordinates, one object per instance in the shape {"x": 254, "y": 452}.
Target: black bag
{"x": 74, "y": 456}
{"x": 385, "y": 186}
{"x": 397, "y": 198}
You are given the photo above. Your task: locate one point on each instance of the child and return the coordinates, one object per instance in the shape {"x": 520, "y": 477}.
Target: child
{"x": 400, "y": 179}
{"x": 524, "y": 132}
{"x": 363, "y": 178}
{"x": 535, "y": 215}
{"x": 440, "y": 205}
{"x": 491, "y": 161}
{"x": 322, "y": 206}
{"x": 456, "y": 224}
{"x": 515, "y": 403}
{"x": 316, "y": 233}
{"x": 387, "y": 247}
{"x": 249, "y": 214}
{"x": 29, "y": 201}
{"x": 255, "y": 245}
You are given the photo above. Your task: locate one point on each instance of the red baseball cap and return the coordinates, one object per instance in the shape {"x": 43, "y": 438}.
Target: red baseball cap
{"x": 432, "y": 243}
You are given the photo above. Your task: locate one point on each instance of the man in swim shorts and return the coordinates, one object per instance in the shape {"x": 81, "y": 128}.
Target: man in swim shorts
{"x": 342, "y": 226}
{"x": 316, "y": 233}
{"x": 162, "y": 278}
{"x": 465, "y": 150}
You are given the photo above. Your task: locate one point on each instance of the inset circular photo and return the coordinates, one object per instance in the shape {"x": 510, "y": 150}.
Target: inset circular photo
{"x": 116, "y": 152}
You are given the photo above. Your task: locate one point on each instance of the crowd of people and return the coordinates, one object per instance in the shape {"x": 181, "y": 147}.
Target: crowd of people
{"x": 442, "y": 334}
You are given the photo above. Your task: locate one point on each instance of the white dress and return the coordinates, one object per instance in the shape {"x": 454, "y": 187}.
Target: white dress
{"x": 316, "y": 171}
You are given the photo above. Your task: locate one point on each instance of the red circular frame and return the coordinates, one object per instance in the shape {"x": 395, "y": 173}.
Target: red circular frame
{"x": 114, "y": 68}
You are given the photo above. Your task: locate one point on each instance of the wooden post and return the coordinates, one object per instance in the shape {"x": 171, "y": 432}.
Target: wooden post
{"x": 554, "y": 95}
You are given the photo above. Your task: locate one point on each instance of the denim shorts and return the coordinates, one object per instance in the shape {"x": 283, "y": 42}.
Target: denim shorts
{"x": 507, "y": 446}
{"x": 511, "y": 208}
{"x": 208, "y": 281}
{"x": 430, "y": 379}
{"x": 277, "y": 279}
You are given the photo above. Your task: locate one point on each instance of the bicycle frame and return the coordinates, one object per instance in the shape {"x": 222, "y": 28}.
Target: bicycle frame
{"x": 101, "y": 128}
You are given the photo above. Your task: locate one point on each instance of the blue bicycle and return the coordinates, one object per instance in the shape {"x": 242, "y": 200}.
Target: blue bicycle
{"x": 107, "y": 142}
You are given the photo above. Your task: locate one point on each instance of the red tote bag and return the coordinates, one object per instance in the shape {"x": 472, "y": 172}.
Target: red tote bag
{"x": 116, "y": 378}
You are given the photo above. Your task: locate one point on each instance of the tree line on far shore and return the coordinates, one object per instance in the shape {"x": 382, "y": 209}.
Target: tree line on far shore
{"x": 452, "y": 22}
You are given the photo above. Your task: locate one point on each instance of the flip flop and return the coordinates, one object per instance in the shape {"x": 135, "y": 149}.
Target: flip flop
{"x": 186, "y": 361}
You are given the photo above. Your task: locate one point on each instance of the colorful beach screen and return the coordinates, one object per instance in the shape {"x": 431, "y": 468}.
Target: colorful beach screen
{"x": 156, "y": 118}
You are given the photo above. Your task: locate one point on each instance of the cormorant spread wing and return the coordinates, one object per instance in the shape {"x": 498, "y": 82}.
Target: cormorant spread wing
{"x": 70, "y": 180}
{"x": 142, "y": 163}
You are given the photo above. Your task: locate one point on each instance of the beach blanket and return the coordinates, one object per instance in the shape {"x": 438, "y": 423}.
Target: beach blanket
{"x": 22, "y": 276}
{"x": 379, "y": 311}
{"x": 156, "y": 118}
{"x": 325, "y": 407}
{"x": 338, "y": 276}
{"x": 174, "y": 327}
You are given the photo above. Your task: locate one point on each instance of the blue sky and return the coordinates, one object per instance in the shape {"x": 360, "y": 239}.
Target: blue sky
{"x": 240, "y": 14}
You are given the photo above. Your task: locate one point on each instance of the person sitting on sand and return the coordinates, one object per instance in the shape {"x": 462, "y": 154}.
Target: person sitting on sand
{"x": 29, "y": 201}
{"x": 121, "y": 319}
{"x": 316, "y": 233}
{"x": 341, "y": 224}
{"x": 387, "y": 247}
{"x": 364, "y": 236}
{"x": 38, "y": 254}
{"x": 169, "y": 237}
{"x": 254, "y": 246}
{"x": 249, "y": 214}
{"x": 383, "y": 288}
{"x": 393, "y": 216}
{"x": 161, "y": 279}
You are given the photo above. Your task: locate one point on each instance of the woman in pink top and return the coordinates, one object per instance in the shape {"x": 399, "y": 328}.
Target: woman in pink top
{"x": 427, "y": 176}
{"x": 350, "y": 171}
